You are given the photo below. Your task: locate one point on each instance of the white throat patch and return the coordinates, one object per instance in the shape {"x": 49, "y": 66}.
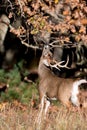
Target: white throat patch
{"x": 45, "y": 62}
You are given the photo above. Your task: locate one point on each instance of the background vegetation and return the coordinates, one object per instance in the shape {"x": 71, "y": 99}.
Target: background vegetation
{"x": 33, "y": 24}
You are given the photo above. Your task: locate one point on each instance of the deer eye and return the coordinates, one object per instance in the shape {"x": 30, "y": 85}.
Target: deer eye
{"x": 80, "y": 105}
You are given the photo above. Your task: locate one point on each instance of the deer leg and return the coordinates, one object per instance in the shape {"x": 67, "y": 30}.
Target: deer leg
{"x": 41, "y": 108}
{"x": 42, "y": 103}
{"x": 47, "y": 106}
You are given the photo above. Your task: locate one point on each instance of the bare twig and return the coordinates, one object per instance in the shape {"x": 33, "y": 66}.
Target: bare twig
{"x": 21, "y": 8}
{"x": 28, "y": 45}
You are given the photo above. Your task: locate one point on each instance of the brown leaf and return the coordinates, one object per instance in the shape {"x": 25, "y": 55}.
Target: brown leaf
{"x": 82, "y": 29}
{"x": 72, "y": 21}
{"x": 73, "y": 29}
{"x": 84, "y": 21}
{"x": 66, "y": 12}
{"x": 56, "y": 1}
{"x": 78, "y": 37}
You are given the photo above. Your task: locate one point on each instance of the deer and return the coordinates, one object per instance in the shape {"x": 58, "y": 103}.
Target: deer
{"x": 52, "y": 87}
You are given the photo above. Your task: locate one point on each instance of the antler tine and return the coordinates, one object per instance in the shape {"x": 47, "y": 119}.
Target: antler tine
{"x": 58, "y": 65}
{"x": 55, "y": 66}
{"x": 65, "y": 65}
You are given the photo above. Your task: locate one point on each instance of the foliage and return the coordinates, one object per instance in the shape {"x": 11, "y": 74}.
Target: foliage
{"x": 65, "y": 18}
{"x": 18, "y": 90}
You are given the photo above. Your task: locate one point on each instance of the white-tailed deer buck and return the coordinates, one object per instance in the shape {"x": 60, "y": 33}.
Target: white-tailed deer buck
{"x": 51, "y": 86}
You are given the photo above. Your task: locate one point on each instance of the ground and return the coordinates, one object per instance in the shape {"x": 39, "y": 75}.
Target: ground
{"x": 18, "y": 117}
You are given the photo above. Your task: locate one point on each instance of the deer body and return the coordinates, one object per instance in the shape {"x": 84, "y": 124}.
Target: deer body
{"x": 64, "y": 89}
{"x": 53, "y": 86}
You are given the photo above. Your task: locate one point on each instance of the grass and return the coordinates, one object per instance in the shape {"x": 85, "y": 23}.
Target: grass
{"x": 13, "y": 118}
{"x": 19, "y": 108}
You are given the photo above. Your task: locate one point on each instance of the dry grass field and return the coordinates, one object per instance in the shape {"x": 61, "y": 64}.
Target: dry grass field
{"x": 16, "y": 116}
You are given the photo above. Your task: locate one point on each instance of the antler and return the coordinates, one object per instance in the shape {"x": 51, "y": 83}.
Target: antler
{"x": 48, "y": 60}
{"x": 59, "y": 65}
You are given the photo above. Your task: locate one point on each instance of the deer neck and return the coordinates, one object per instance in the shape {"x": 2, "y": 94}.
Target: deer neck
{"x": 44, "y": 71}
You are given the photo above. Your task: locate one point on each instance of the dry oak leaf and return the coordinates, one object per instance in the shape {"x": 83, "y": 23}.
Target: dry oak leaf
{"x": 56, "y": 1}
{"x": 66, "y": 12}
{"x": 84, "y": 21}
{"x": 82, "y": 29}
